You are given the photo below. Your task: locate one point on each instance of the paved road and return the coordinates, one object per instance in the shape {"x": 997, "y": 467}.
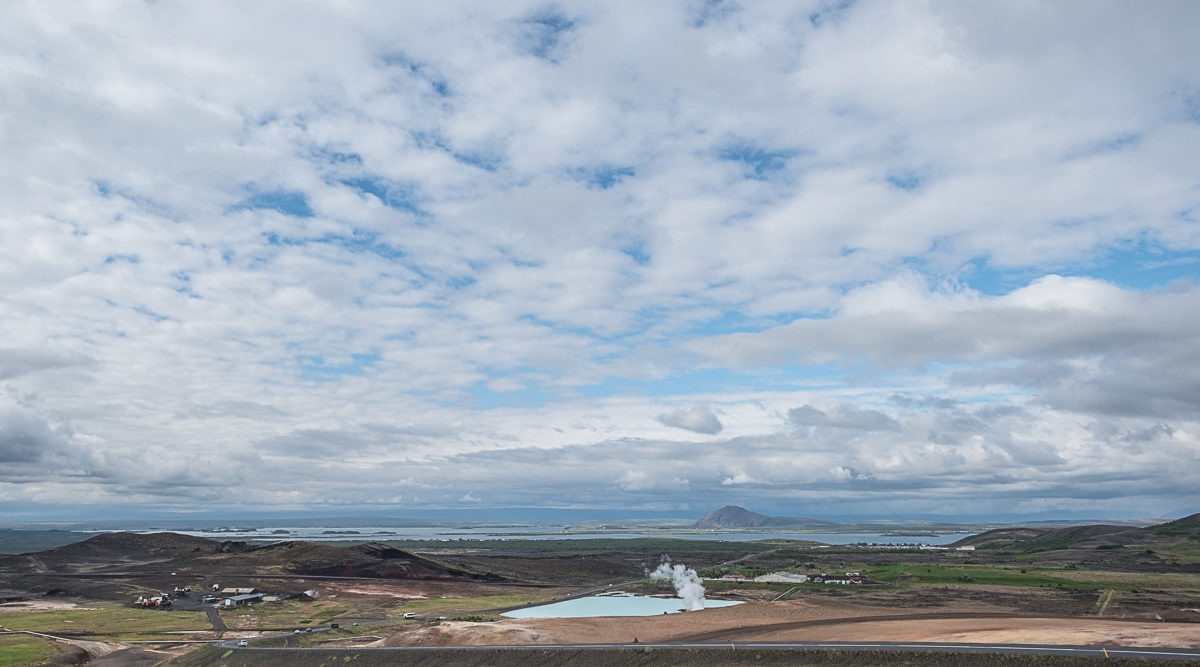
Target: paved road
{"x": 1178, "y": 654}
{"x": 214, "y": 617}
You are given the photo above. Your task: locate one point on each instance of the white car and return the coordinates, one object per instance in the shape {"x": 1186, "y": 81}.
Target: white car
{"x": 410, "y": 615}
{"x": 242, "y": 642}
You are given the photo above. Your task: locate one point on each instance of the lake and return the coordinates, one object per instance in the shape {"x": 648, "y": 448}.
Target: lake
{"x": 611, "y": 604}
{"x": 268, "y": 533}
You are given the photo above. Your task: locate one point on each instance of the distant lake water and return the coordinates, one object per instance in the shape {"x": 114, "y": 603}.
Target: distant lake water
{"x": 611, "y": 604}
{"x": 267, "y": 533}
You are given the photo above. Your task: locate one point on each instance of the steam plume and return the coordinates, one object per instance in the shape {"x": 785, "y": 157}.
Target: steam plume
{"x": 686, "y": 581}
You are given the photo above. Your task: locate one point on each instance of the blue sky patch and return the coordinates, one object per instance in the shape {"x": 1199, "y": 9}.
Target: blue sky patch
{"x": 904, "y": 179}
{"x": 287, "y": 202}
{"x": 759, "y": 162}
{"x": 711, "y": 11}
{"x": 332, "y": 156}
{"x": 393, "y": 196}
{"x": 830, "y": 13}
{"x": 602, "y": 177}
{"x": 157, "y": 317}
{"x": 543, "y": 34}
{"x": 358, "y": 241}
{"x": 1142, "y": 266}
{"x": 418, "y": 70}
{"x": 637, "y": 251}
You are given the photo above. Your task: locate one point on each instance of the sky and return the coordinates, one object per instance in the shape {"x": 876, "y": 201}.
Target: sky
{"x": 814, "y": 258}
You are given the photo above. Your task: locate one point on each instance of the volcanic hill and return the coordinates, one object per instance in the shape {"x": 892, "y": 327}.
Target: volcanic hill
{"x": 732, "y": 516}
{"x": 172, "y": 552}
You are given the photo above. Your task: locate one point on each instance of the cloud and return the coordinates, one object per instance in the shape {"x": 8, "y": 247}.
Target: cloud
{"x": 913, "y": 253}
{"x": 842, "y": 416}
{"x": 641, "y": 480}
{"x": 697, "y": 419}
{"x": 17, "y": 362}
{"x": 26, "y": 437}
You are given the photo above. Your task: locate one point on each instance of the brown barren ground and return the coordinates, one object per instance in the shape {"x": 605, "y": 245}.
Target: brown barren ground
{"x": 820, "y": 620}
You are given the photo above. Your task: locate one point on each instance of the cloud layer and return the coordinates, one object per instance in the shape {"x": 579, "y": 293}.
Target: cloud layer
{"x": 809, "y": 257}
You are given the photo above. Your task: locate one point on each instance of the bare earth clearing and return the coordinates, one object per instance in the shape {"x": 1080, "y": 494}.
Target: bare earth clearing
{"x": 803, "y": 621}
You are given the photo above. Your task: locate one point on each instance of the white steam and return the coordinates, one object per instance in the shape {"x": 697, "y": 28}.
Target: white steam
{"x": 686, "y": 581}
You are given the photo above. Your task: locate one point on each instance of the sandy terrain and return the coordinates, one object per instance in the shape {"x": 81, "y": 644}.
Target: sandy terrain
{"x": 383, "y": 591}
{"x": 803, "y": 621}
{"x": 468, "y": 634}
{"x": 1084, "y": 631}
{"x": 40, "y": 605}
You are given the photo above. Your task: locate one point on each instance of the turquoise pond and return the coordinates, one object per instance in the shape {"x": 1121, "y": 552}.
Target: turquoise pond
{"x": 611, "y": 604}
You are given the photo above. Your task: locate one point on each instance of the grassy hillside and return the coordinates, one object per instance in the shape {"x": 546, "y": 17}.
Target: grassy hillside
{"x": 1181, "y": 537}
{"x": 1187, "y": 526}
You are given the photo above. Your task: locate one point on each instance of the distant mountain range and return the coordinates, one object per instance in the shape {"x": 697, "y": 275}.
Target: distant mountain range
{"x": 732, "y": 516}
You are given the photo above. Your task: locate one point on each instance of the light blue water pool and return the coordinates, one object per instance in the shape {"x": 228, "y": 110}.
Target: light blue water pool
{"x": 611, "y": 604}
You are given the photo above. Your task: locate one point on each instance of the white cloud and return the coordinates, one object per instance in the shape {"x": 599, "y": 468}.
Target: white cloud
{"x": 697, "y": 419}
{"x": 334, "y": 243}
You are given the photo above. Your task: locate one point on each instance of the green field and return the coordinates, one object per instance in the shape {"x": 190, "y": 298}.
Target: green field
{"x": 1187, "y": 552}
{"x": 980, "y": 574}
{"x": 286, "y": 614}
{"x": 120, "y": 622}
{"x": 24, "y": 650}
{"x": 905, "y": 574}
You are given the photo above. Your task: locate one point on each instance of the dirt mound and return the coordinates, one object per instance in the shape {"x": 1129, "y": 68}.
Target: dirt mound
{"x": 466, "y": 634}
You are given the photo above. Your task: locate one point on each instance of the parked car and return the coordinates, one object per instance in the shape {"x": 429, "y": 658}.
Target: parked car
{"x": 242, "y": 642}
